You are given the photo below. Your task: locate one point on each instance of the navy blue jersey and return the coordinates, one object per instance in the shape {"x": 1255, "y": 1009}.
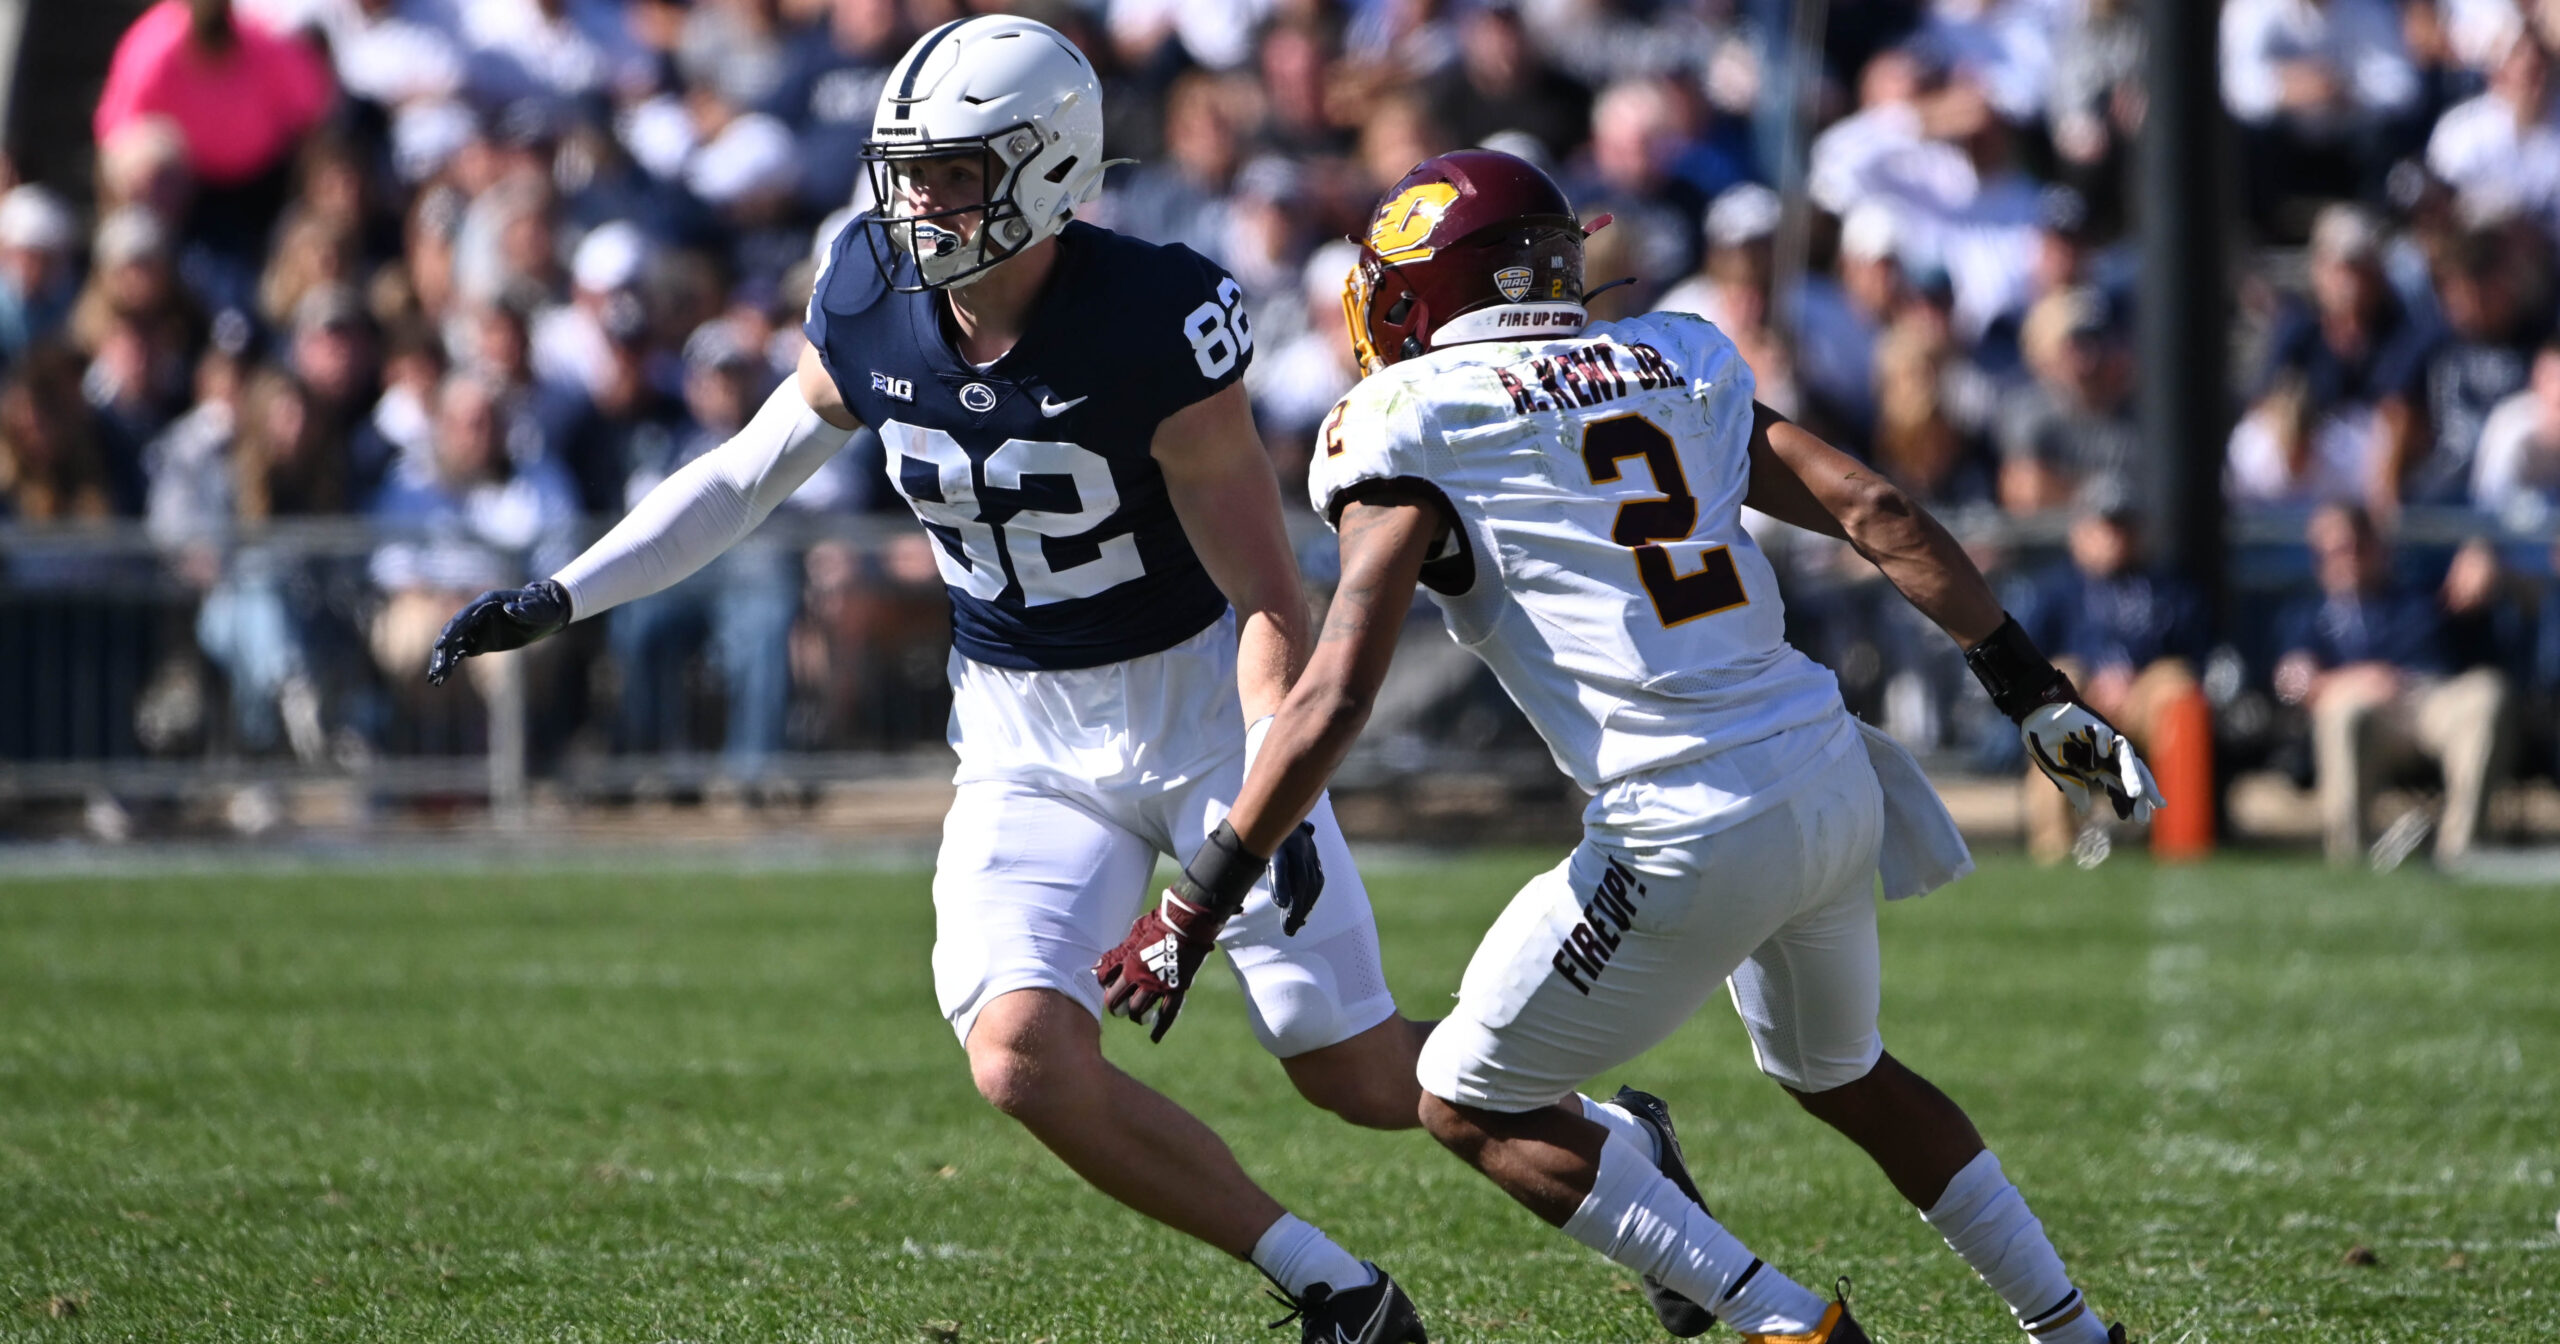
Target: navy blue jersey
{"x": 1055, "y": 536}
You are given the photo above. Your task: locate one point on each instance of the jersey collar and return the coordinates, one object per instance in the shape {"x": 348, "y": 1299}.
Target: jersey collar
{"x": 1064, "y": 278}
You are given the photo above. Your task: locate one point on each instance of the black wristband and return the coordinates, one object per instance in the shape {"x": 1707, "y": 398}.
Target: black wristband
{"x": 2017, "y": 674}
{"x": 1221, "y": 872}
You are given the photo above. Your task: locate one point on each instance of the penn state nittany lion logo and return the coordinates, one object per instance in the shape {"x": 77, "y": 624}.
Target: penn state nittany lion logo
{"x": 1402, "y": 224}
{"x": 1514, "y": 281}
{"x": 978, "y": 397}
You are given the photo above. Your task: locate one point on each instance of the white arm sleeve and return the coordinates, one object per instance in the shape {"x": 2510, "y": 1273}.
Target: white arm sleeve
{"x": 706, "y": 507}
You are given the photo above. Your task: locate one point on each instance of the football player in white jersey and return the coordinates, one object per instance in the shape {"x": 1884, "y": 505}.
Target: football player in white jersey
{"x": 1062, "y": 409}
{"x": 1572, "y": 496}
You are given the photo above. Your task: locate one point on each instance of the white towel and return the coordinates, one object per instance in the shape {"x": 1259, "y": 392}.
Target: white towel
{"x": 1922, "y": 850}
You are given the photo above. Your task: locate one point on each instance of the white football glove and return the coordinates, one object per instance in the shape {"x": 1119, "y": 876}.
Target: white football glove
{"x": 2087, "y": 758}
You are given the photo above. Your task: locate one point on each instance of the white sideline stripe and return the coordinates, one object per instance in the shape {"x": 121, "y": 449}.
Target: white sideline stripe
{"x": 2538, "y": 866}
{"x": 479, "y": 853}
{"x": 2176, "y": 1068}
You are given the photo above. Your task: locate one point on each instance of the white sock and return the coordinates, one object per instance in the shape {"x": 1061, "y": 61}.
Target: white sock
{"x": 1637, "y": 1217}
{"x": 1298, "y": 1257}
{"x": 1986, "y": 1220}
{"x": 1621, "y": 1124}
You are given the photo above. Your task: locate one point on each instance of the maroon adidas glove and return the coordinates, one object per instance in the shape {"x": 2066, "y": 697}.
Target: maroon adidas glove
{"x": 1154, "y": 966}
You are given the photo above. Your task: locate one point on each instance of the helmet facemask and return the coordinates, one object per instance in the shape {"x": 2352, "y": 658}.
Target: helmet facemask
{"x": 1359, "y": 289}
{"x": 1529, "y": 268}
{"x": 946, "y": 254}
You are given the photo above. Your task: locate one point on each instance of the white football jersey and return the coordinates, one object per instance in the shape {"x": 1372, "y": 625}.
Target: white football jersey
{"x": 1599, "y": 565}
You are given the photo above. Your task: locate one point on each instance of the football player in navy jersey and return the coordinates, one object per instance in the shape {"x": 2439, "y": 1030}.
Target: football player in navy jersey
{"x": 1062, "y": 407}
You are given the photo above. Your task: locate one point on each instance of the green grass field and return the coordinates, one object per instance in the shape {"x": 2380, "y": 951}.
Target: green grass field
{"x": 678, "y": 1106}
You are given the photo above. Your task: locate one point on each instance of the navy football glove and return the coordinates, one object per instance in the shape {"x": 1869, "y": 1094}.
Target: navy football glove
{"x": 1297, "y": 877}
{"x": 496, "y": 621}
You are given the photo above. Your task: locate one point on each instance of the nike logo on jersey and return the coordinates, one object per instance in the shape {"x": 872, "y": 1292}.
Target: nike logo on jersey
{"x": 1588, "y": 946}
{"x": 1054, "y": 409}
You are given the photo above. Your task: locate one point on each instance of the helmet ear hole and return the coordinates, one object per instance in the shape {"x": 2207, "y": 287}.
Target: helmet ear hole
{"x": 1401, "y": 309}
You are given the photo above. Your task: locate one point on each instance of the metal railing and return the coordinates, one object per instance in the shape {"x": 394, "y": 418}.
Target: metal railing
{"x": 110, "y": 686}
{"x": 97, "y": 622}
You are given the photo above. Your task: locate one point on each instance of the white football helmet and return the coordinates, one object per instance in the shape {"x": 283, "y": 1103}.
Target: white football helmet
{"x": 1012, "y": 90}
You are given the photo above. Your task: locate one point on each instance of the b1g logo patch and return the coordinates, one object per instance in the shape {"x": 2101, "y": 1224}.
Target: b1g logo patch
{"x": 1514, "y": 282}
{"x": 978, "y": 398}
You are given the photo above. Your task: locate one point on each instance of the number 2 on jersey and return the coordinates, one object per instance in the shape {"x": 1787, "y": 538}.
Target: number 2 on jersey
{"x": 1643, "y": 524}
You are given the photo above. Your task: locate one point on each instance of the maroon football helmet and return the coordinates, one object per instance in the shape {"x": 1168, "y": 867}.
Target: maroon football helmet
{"x": 1471, "y": 246}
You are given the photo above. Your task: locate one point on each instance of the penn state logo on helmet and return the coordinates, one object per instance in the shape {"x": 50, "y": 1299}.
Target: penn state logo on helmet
{"x": 1458, "y": 251}
{"x": 1009, "y": 98}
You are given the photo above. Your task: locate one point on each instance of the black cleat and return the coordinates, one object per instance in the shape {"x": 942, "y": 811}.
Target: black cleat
{"x": 1678, "y": 1314}
{"x": 1377, "y": 1312}
{"x": 2115, "y": 1333}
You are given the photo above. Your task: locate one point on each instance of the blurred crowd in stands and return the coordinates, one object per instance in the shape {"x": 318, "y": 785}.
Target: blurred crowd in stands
{"x": 486, "y": 270}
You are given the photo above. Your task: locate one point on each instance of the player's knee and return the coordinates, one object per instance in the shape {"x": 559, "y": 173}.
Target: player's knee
{"x": 1367, "y": 1080}
{"x": 1885, "y": 1093}
{"x": 1017, "y": 1084}
{"x": 1842, "y": 1076}
{"x": 1007, "y": 1079}
{"x": 1837, "y": 1107}
{"x": 1452, "y": 1125}
{"x": 1022, "y": 1083}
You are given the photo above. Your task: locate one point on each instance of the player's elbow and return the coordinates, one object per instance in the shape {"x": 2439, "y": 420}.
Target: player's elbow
{"x": 1876, "y": 514}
